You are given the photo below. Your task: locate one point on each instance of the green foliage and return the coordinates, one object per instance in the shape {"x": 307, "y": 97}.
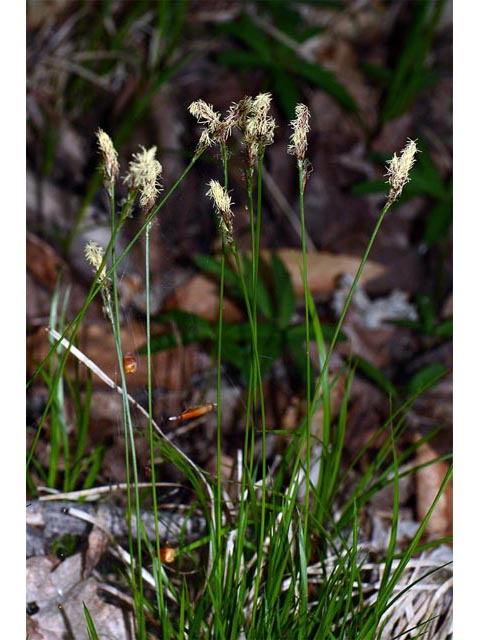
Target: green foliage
{"x": 283, "y": 67}
{"x": 277, "y": 333}
{"x": 65, "y": 546}
{"x": 79, "y": 469}
{"x": 92, "y": 632}
{"x": 271, "y": 562}
{"x": 428, "y": 323}
{"x": 409, "y": 74}
{"x": 424, "y": 379}
{"x": 375, "y": 375}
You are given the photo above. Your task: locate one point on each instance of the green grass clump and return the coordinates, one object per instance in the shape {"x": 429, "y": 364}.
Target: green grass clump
{"x": 284, "y": 554}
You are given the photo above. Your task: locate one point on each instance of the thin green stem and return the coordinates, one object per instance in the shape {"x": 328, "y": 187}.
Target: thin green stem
{"x": 258, "y": 376}
{"x": 218, "y": 503}
{"x": 333, "y": 342}
{"x": 114, "y": 315}
{"x": 253, "y": 377}
{"x": 158, "y": 559}
{"x": 301, "y": 187}
{"x": 95, "y": 288}
{"x": 347, "y": 303}
{"x": 258, "y": 225}
{"x": 255, "y": 262}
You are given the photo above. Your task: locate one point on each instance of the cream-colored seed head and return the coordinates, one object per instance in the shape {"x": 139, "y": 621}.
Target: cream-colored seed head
{"x": 204, "y": 113}
{"x": 261, "y": 103}
{"x": 94, "y": 255}
{"x": 111, "y": 166}
{"x": 398, "y": 169}
{"x": 258, "y": 127}
{"x": 223, "y": 205}
{"x": 210, "y": 119}
{"x": 143, "y": 174}
{"x": 301, "y": 127}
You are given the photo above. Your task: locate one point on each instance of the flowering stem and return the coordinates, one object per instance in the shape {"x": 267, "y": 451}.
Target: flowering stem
{"x": 338, "y": 327}
{"x": 158, "y": 558}
{"x": 219, "y": 386}
{"x": 255, "y": 373}
{"x": 95, "y": 288}
{"x": 129, "y": 441}
{"x": 301, "y": 186}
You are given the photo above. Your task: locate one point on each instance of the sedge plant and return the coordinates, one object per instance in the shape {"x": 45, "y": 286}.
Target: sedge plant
{"x": 282, "y": 554}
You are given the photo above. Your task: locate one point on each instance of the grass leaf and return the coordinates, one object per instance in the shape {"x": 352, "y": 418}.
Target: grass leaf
{"x": 373, "y": 373}
{"x": 283, "y": 292}
{"x": 424, "y": 379}
{"x": 92, "y": 632}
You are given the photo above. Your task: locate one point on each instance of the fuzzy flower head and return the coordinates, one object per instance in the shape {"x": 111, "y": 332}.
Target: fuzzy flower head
{"x": 210, "y": 120}
{"x": 143, "y": 174}
{"x": 298, "y": 139}
{"x": 398, "y": 170}
{"x": 223, "y": 205}
{"x": 111, "y": 167}
{"x": 94, "y": 255}
{"x": 258, "y": 127}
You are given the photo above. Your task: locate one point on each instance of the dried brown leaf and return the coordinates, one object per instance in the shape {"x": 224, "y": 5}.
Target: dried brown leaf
{"x": 98, "y": 541}
{"x": 200, "y": 295}
{"x": 60, "y": 594}
{"x": 323, "y": 270}
{"x": 42, "y": 261}
{"x": 171, "y": 369}
{"x": 428, "y": 481}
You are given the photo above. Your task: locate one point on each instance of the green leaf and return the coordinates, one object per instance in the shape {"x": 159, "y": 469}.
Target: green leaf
{"x": 425, "y": 177}
{"x": 282, "y": 61}
{"x": 294, "y": 338}
{"x": 93, "y": 463}
{"x": 209, "y": 265}
{"x": 296, "y": 334}
{"x": 424, "y": 379}
{"x": 65, "y": 546}
{"x": 378, "y": 73}
{"x": 244, "y": 60}
{"x": 445, "y": 329}
{"x": 415, "y": 325}
{"x": 270, "y": 342}
{"x": 236, "y": 332}
{"x": 247, "y": 32}
{"x": 322, "y": 78}
{"x": 285, "y": 15}
{"x": 239, "y": 356}
{"x": 409, "y": 72}
{"x": 283, "y": 292}
{"x": 438, "y": 221}
{"x": 328, "y": 331}
{"x": 426, "y": 311}
{"x": 192, "y": 328}
{"x": 92, "y": 632}
{"x": 264, "y": 300}
{"x": 374, "y": 374}
{"x": 162, "y": 342}
{"x": 286, "y": 89}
